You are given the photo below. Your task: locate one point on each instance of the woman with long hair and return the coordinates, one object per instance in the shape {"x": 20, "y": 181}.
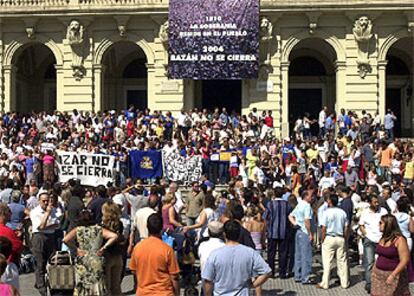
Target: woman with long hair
{"x": 296, "y": 181}
{"x": 90, "y": 247}
{"x": 207, "y": 215}
{"x": 111, "y": 215}
{"x": 389, "y": 275}
{"x": 256, "y": 226}
{"x": 169, "y": 215}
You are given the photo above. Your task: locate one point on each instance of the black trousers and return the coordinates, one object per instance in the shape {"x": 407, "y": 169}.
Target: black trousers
{"x": 282, "y": 246}
{"x": 43, "y": 246}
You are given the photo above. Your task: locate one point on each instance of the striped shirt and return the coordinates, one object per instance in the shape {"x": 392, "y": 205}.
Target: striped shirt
{"x": 276, "y": 217}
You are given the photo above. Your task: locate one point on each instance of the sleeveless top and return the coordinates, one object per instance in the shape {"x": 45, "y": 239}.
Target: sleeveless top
{"x": 166, "y": 225}
{"x": 211, "y": 216}
{"x": 388, "y": 258}
{"x": 5, "y": 290}
{"x": 257, "y": 239}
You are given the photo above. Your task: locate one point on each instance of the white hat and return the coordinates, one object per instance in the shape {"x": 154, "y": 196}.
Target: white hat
{"x": 286, "y": 139}
{"x": 385, "y": 184}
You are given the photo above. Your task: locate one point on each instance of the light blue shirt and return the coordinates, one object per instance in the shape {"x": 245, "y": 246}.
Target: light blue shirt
{"x": 403, "y": 220}
{"x": 321, "y": 212}
{"x": 335, "y": 220}
{"x": 302, "y": 212}
{"x": 231, "y": 269}
{"x": 389, "y": 121}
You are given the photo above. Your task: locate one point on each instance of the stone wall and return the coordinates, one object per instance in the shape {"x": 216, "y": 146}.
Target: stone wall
{"x": 328, "y": 28}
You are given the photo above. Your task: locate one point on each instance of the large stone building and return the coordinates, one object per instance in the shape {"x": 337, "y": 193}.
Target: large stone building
{"x": 101, "y": 54}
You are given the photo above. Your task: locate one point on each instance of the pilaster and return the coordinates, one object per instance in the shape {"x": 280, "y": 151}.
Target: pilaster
{"x": 340, "y": 69}
{"x": 284, "y": 81}
{"x": 382, "y": 81}
{"x": 9, "y": 102}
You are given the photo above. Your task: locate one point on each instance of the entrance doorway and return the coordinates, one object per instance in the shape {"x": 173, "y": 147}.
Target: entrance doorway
{"x": 125, "y": 77}
{"x": 304, "y": 100}
{"x": 221, "y": 93}
{"x": 393, "y": 102}
{"x": 138, "y": 98}
{"x": 399, "y": 86}
{"x": 312, "y": 80}
{"x": 35, "y": 79}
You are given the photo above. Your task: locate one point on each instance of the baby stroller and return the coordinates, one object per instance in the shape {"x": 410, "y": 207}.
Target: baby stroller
{"x": 60, "y": 274}
{"x": 190, "y": 272}
{"x": 185, "y": 250}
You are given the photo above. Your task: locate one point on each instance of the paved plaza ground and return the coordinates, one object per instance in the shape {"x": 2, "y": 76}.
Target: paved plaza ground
{"x": 273, "y": 287}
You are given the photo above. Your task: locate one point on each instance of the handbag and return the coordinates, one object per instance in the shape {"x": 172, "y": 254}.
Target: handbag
{"x": 61, "y": 271}
{"x": 188, "y": 254}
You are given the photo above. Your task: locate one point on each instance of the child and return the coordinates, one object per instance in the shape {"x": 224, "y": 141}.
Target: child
{"x": 6, "y": 289}
{"x": 10, "y": 275}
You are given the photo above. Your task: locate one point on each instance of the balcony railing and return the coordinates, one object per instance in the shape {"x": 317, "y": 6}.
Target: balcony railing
{"x": 29, "y": 6}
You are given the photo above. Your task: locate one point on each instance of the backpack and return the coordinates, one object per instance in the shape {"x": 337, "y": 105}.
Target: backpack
{"x": 27, "y": 263}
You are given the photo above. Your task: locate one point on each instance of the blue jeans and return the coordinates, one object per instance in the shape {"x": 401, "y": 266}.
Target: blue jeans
{"x": 223, "y": 172}
{"x": 369, "y": 258}
{"x": 390, "y": 133}
{"x": 303, "y": 256}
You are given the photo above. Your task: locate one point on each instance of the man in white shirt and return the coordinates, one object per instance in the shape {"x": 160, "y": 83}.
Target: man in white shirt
{"x": 386, "y": 194}
{"x": 334, "y": 237}
{"x": 326, "y": 181}
{"x": 215, "y": 241}
{"x": 44, "y": 224}
{"x": 321, "y": 121}
{"x": 139, "y": 225}
{"x": 370, "y": 229}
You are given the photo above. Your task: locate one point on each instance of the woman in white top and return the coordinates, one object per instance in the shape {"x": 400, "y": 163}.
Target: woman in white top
{"x": 207, "y": 215}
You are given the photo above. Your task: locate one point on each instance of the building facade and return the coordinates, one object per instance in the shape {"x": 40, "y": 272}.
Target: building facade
{"x": 107, "y": 54}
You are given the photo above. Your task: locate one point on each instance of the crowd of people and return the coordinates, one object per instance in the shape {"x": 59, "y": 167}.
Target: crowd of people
{"x": 345, "y": 191}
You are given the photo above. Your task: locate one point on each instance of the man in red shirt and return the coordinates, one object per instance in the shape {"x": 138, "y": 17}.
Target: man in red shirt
{"x": 269, "y": 119}
{"x": 5, "y": 231}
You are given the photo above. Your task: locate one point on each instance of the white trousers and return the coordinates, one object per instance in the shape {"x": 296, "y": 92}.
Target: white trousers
{"x": 334, "y": 246}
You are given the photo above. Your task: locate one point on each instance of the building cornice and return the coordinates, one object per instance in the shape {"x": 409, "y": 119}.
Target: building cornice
{"x": 17, "y": 8}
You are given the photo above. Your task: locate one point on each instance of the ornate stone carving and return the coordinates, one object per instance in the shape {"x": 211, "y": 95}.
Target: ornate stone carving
{"x": 266, "y": 29}
{"x": 264, "y": 71}
{"x": 122, "y": 30}
{"x": 266, "y": 36}
{"x": 30, "y": 31}
{"x": 75, "y": 38}
{"x": 411, "y": 27}
{"x": 312, "y": 27}
{"x": 163, "y": 34}
{"x": 363, "y": 33}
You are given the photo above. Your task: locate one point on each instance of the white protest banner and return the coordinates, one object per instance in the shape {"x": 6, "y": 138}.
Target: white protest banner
{"x": 90, "y": 169}
{"x": 180, "y": 169}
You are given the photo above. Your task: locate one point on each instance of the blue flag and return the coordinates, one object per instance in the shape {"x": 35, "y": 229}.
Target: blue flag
{"x": 145, "y": 164}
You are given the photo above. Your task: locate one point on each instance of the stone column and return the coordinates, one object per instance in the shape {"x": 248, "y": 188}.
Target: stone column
{"x": 151, "y": 87}
{"x": 382, "y": 87}
{"x": 9, "y": 103}
{"x": 340, "y": 69}
{"x": 59, "y": 86}
{"x": 284, "y": 123}
{"x": 98, "y": 87}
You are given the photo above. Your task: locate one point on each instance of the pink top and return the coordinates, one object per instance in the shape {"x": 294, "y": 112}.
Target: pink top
{"x": 5, "y": 290}
{"x": 48, "y": 159}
